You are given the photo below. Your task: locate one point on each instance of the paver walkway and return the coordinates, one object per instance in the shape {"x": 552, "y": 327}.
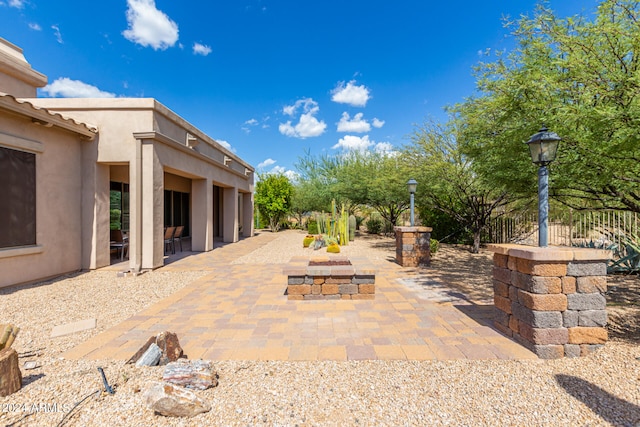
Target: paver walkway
{"x": 240, "y": 312}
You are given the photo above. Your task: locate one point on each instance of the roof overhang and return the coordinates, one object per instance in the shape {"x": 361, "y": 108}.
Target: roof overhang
{"x": 44, "y": 117}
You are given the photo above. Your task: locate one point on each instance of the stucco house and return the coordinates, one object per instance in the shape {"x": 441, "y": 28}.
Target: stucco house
{"x": 63, "y": 159}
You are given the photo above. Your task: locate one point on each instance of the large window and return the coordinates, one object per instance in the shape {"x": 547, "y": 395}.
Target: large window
{"x": 176, "y": 210}
{"x": 17, "y": 198}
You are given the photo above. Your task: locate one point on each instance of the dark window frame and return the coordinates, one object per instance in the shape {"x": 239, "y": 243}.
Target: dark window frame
{"x": 18, "y": 192}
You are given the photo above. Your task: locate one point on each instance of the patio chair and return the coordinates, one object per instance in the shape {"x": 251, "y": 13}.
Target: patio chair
{"x": 119, "y": 242}
{"x": 168, "y": 239}
{"x": 178, "y": 236}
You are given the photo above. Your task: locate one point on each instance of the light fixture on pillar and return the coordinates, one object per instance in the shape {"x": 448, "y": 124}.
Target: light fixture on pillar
{"x": 412, "y": 184}
{"x": 543, "y": 146}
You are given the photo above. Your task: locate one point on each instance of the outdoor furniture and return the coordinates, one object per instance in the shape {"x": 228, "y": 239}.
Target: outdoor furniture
{"x": 169, "y": 232}
{"x": 178, "y": 236}
{"x": 119, "y": 242}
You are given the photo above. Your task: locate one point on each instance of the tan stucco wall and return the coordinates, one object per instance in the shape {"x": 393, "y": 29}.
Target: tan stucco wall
{"x": 17, "y": 78}
{"x": 153, "y": 142}
{"x": 58, "y": 202}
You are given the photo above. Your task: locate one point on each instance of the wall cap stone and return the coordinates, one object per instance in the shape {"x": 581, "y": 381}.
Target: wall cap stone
{"x": 550, "y": 253}
{"x": 413, "y": 229}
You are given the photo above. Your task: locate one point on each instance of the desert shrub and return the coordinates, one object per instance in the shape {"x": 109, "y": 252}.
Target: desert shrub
{"x": 312, "y": 226}
{"x": 374, "y": 226}
{"x": 434, "y": 245}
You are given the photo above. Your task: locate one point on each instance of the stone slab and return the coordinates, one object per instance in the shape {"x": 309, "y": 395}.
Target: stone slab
{"x": 71, "y": 328}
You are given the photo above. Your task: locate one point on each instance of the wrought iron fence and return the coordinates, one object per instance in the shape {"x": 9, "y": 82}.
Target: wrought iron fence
{"x": 567, "y": 227}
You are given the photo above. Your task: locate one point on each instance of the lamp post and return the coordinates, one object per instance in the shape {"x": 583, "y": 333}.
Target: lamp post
{"x": 543, "y": 146}
{"x": 412, "y": 184}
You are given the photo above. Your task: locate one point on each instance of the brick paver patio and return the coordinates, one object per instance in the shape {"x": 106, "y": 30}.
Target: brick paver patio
{"x": 240, "y": 311}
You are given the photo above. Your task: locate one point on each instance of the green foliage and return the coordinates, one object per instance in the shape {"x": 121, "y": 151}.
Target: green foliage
{"x": 312, "y": 226}
{"x": 434, "y": 245}
{"x": 115, "y": 223}
{"x": 273, "y": 198}
{"x": 448, "y": 182}
{"x": 626, "y": 259}
{"x": 374, "y": 225}
{"x": 578, "y": 76}
{"x": 361, "y": 178}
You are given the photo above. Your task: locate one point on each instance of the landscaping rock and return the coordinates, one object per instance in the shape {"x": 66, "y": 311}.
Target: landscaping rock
{"x": 196, "y": 374}
{"x": 170, "y": 346}
{"x": 151, "y": 357}
{"x": 10, "y": 375}
{"x": 174, "y": 401}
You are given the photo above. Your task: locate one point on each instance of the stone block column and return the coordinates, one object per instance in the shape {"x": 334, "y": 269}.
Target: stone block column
{"x": 413, "y": 246}
{"x": 551, "y": 299}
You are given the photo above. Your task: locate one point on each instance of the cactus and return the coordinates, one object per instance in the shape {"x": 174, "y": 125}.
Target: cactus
{"x": 307, "y": 241}
{"x": 352, "y": 228}
{"x": 333, "y": 248}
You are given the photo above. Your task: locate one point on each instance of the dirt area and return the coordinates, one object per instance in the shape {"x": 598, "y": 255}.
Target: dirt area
{"x": 470, "y": 275}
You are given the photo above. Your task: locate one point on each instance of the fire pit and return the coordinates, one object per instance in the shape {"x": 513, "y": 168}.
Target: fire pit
{"x": 330, "y": 277}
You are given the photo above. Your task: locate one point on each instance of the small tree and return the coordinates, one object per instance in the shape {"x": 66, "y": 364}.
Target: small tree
{"x": 273, "y": 198}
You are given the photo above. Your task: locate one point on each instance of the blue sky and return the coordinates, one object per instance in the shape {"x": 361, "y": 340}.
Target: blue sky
{"x": 272, "y": 78}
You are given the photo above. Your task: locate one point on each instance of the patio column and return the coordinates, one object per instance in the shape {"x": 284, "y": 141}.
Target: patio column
{"x": 201, "y": 215}
{"x": 230, "y": 215}
{"x": 95, "y": 214}
{"x": 152, "y": 208}
{"x": 247, "y": 214}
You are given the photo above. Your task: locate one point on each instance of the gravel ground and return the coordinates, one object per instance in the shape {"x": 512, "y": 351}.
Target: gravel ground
{"x": 602, "y": 389}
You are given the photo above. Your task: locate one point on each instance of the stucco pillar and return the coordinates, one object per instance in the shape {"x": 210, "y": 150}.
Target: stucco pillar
{"x": 152, "y": 208}
{"x": 201, "y": 215}
{"x": 135, "y": 209}
{"x": 247, "y": 214}
{"x": 230, "y": 215}
{"x": 95, "y": 212}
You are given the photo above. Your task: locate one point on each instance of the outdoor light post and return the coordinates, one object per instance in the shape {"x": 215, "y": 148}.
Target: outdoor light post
{"x": 412, "y": 184}
{"x": 543, "y": 146}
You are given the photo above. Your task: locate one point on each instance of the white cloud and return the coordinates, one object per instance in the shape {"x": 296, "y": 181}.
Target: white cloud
{"x": 351, "y": 94}
{"x": 308, "y": 125}
{"x": 385, "y": 148}
{"x": 18, "y": 4}
{"x": 357, "y": 125}
{"x": 267, "y": 162}
{"x": 251, "y": 122}
{"x": 281, "y": 170}
{"x": 226, "y": 145}
{"x": 35, "y": 26}
{"x": 66, "y": 88}
{"x": 363, "y": 144}
{"x": 377, "y": 123}
{"x": 201, "y": 49}
{"x": 56, "y": 32}
{"x": 353, "y": 143}
{"x": 149, "y": 26}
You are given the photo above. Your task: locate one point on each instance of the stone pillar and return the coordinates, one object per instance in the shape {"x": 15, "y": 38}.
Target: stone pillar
{"x": 551, "y": 299}
{"x": 413, "y": 246}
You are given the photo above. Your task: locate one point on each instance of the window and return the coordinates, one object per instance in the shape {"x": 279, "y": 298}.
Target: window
{"x": 18, "y": 198}
{"x": 119, "y": 206}
{"x": 176, "y": 210}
